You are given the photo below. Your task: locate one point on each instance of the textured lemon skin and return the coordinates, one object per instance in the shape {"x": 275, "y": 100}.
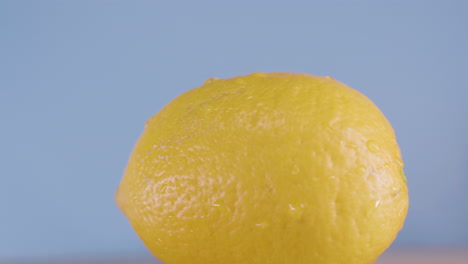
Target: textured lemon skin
{"x": 266, "y": 168}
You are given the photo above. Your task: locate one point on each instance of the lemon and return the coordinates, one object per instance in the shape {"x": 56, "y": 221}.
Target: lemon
{"x": 266, "y": 168}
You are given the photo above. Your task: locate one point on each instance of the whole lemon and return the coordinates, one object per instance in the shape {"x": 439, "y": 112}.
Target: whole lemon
{"x": 266, "y": 168}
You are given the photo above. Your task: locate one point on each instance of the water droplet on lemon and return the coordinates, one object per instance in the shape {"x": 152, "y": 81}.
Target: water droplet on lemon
{"x": 296, "y": 210}
{"x": 222, "y": 206}
{"x": 361, "y": 170}
{"x": 262, "y": 225}
{"x": 372, "y": 146}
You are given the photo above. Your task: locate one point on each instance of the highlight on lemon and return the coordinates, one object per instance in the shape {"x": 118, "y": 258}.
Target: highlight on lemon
{"x": 266, "y": 168}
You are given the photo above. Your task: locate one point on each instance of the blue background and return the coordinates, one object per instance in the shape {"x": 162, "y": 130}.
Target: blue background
{"x": 78, "y": 79}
